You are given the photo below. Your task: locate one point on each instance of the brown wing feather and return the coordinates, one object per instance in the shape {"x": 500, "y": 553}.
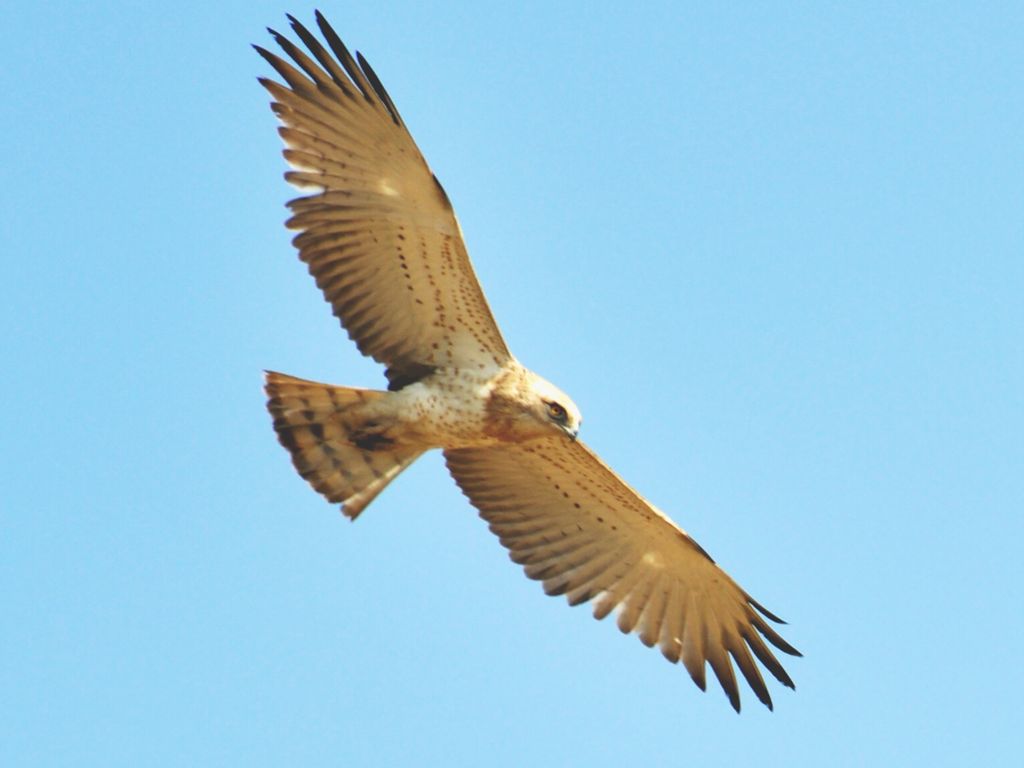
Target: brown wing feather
{"x": 379, "y": 234}
{"x": 576, "y": 526}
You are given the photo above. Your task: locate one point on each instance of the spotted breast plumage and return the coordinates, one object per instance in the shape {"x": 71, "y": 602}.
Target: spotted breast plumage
{"x": 379, "y": 235}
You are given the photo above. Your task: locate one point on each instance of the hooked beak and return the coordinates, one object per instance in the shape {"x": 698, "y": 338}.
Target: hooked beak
{"x": 571, "y": 432}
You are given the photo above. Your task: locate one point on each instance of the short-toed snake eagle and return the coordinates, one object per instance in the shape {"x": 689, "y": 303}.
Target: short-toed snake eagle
{"x": 379, "y": 235}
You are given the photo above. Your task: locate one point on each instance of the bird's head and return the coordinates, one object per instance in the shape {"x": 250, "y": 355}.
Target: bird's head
{"x": 552, "y": 407}
{"x": 523, "y": 406}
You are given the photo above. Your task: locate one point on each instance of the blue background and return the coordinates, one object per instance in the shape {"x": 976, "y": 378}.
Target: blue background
{"x": 775, "y": 252}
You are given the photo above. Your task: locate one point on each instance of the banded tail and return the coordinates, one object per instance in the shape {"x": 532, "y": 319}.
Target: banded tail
{"x": 334, "y": 444}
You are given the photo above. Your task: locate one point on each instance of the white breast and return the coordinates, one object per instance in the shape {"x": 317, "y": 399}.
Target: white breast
{"x": 448, "y": 408}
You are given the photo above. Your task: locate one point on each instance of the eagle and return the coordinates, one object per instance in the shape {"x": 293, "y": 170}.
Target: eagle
{"x": 379, "y": 235}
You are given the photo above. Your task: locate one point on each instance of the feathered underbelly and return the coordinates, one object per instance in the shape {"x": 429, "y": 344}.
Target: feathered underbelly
{"x": 446, "y": 410}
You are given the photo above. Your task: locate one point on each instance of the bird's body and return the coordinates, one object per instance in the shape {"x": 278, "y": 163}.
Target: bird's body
{"x": 380, "y": 237}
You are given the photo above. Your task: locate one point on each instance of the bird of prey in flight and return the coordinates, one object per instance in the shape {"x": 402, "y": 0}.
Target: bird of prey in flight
{"x": 378, "y": 233}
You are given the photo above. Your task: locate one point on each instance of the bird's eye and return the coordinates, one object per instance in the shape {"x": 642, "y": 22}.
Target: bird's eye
{"x": 557, "y": 412}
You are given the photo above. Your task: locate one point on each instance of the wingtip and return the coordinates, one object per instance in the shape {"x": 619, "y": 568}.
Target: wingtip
{"x": 765, "y": 612}
{"x": 699, "y": 679}
{"x": 267, "y": 56}
{"x": 321, "y": 21}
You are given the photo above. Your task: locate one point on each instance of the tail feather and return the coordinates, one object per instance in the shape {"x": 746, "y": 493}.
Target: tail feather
{"x": 332, "y": 442}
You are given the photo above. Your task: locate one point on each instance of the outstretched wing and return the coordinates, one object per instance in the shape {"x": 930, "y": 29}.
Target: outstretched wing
{"x": 576, "y": 526}
{"x": 379, "y": 234}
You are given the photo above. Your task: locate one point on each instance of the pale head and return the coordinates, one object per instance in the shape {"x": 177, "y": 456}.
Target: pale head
{"x": 552, "y": 408}
{"x": 523, "y": 406}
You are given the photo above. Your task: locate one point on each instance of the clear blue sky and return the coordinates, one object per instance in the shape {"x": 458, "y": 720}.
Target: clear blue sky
{"x": 775, "y": 252}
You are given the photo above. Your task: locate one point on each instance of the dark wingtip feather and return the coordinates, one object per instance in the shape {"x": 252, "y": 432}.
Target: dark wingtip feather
{"x": 765, "y": 656}
{"x": 768, "y": 614}
{"x": 723, "y": 670}
{"x": 345, "y": 58}
{"x": 772, "y": 636}
{"x": 750, "y": 672}
{"x": 280, "y": 39}
{"x": 378, "y": 87}
{"x": 263, "y": 52}
{"x": 695, "y": 668}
